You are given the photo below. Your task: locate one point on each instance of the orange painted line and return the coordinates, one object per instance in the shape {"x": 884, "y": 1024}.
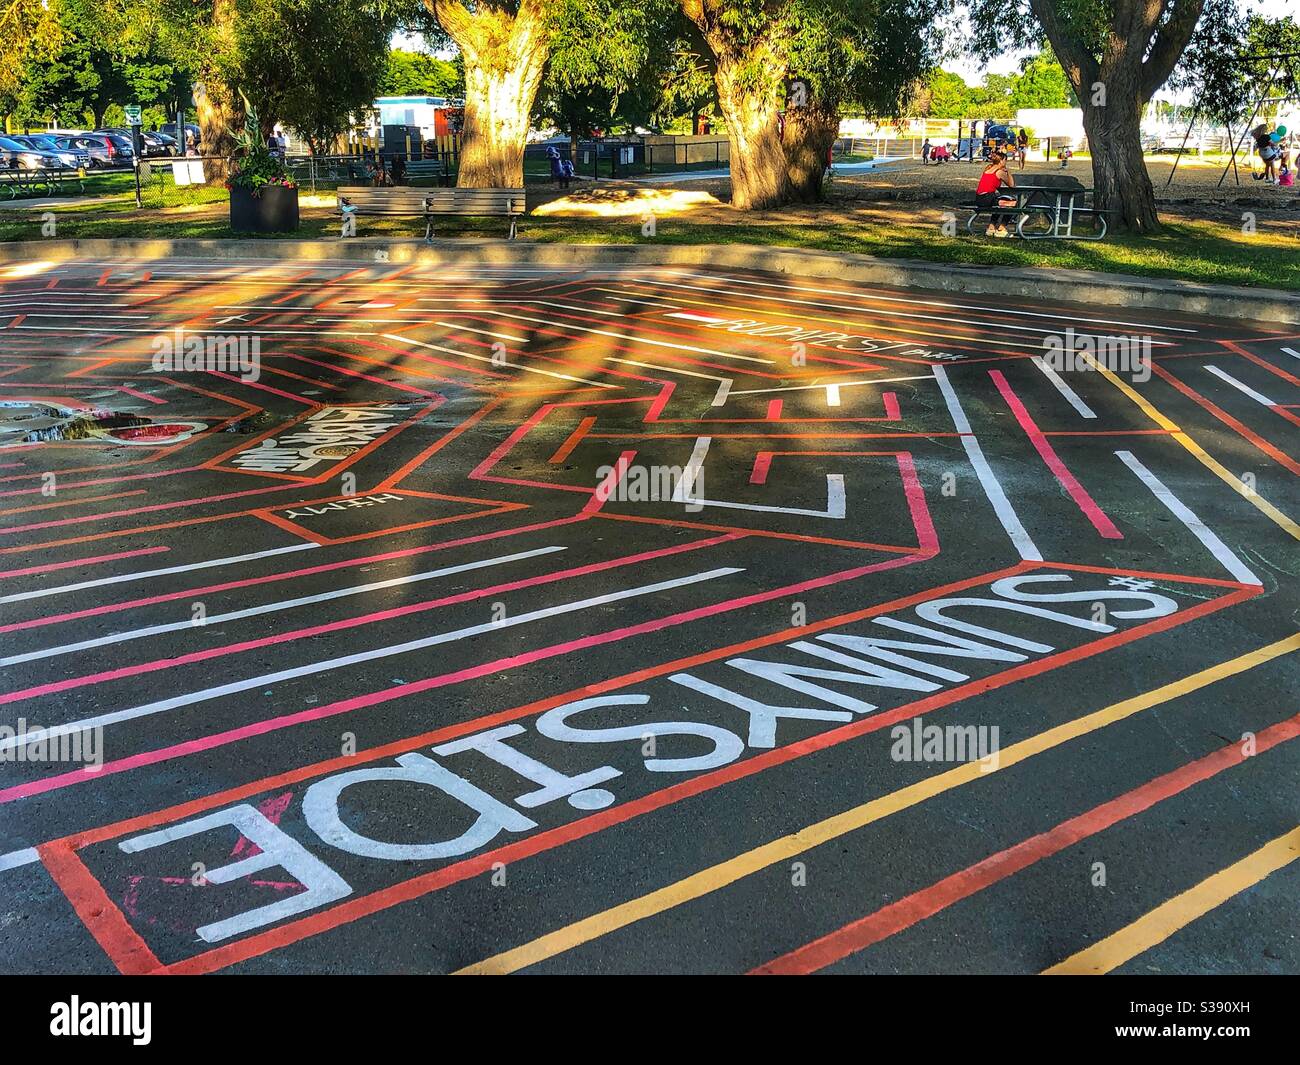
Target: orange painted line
{"x": 70, "y": 502}
{"x": 1290, "y": 378}
{"x": 916, "y": 907}
{"x": 97, "y": 911}
{"x": 1282, "y": 459}
{"x": 414, "y": 464}
{"x": 574, "y": 439}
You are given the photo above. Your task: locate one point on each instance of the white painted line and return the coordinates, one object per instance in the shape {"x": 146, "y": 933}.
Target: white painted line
{"x": 16, "y": 859}
{"x": 267, "y": 679}
{"x": 508, "y": 366}
{"x": 121, "y": 578}
{"x": 1069, "y": 393}
{"x": 1001, "y": 505}
{"x": 832, "y": 395}
{"x": 841, "y": 384}
{"x": 634, "y": 338}
{"x": 692, "y": 317}
{"x": 691, "y": 471}
{"x": 1258, "y": 397}
{"x": 835, "y": 502}
{"x": 1292, "y": 352}
{"x": 665, "y": 369}
{"x": 865, "y": 295}
{"x": 1216, "y": 547}
{"x": 271, "y": 608}
{"x": 720, "y": 397}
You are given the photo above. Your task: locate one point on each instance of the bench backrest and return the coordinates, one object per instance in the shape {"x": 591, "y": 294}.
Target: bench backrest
{"x": 404, "y": 200}
{"x": 424, "y": 166}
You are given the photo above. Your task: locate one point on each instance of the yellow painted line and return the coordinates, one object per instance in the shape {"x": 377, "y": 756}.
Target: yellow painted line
{"x": 1235, "y": 483}
{"x": 1180, "y": 911}
{"x": 719, "y": 876}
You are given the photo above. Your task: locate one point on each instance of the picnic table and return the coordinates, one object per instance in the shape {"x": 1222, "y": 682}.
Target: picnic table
{"x": 1046, "y": 209}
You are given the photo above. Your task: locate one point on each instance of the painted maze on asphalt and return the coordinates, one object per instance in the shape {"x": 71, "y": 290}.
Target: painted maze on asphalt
{"x": 433, "y": 480}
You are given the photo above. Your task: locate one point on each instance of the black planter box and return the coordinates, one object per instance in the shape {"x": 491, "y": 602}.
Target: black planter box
{"x": 275, "y": 210}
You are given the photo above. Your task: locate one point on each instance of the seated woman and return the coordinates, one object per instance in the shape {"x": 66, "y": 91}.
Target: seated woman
{"x": 994, "y": 177}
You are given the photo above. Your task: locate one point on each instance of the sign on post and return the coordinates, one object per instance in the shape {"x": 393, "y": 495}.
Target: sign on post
{"x": 133, "y": 114}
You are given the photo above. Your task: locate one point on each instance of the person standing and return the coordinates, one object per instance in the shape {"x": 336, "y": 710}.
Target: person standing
{"x": 925, "y": 152}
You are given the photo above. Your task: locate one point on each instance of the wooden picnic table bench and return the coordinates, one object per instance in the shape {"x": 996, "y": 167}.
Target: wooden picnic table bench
{"x": 426, "y": 203}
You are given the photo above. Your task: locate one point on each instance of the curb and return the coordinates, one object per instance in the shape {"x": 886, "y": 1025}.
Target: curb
{"x": 1047, "y": 285}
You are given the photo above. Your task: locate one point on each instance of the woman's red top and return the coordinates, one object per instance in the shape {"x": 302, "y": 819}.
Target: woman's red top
{"x": 989, "y": 182}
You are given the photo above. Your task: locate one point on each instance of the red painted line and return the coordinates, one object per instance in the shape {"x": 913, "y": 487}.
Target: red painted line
{"x": 774, "y": 410}
{"x": 50, "y": 566}
{"x": 1067, "y": 480}
{"x": 762, "y": 465}
{"x": 97, "y": 911}
{"x": 384, "y": 898}
{"x": 916, "y": 907}
{"x": 891, "y": 406}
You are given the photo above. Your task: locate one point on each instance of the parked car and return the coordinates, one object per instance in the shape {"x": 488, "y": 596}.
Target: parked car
{"x": 155, "y": 144}
{"x": 61, "y": 147}
{"x": 15, "y": 155}
{"x": 105, "y": 149}
{"x": 178, "y": 136}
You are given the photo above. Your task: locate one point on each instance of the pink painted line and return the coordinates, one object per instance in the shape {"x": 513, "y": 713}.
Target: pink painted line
{"x": 260, "y": 728}
{"x": 140, "y": 395}
{"x": 660, "y": 402}
{"x": 147, "y": 510}
{"x": 774, "y": 410}
{"x": 762, "y": 464}
{"x": 1067, "y": 480}
{"x": 268, "y": 578}
{"x": 927, "y": 538}
{"x": 49, "y": 566}
{"x": 891, "y": 406}
{"x": 264, "y": 388}
{"x": 342, "y": 624}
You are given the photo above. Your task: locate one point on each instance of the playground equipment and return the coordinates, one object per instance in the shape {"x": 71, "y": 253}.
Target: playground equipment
{"x": 1276, "y": 63}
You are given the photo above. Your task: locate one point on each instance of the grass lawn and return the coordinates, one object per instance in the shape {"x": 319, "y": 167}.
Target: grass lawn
{"x": 1197, "y": 250}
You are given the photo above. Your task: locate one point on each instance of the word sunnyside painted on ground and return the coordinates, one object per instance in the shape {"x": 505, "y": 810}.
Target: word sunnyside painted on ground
{"x": 457, "y": 799}
{"x": 331, "y": 434}
{"x": 800, "y": 333}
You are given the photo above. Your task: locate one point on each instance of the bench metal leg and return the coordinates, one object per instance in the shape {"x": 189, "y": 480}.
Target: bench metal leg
{"x": 512, "y": 228}
{"x": 428, "y": 229}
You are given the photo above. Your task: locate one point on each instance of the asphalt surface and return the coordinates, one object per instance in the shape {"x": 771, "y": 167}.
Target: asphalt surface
{"x": 640, "y": 620}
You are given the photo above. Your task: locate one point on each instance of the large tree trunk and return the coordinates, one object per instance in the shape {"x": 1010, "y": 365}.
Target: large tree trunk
{"x": 758, "y": 174}
{"x": 1120, "y": 180}
{"x": 1140, "y": 43}
{"x": 809, "y": 133}
{"x": 504, "y": 56}
{"x": 220, "y": 110}
{"x": 220, "y": 114}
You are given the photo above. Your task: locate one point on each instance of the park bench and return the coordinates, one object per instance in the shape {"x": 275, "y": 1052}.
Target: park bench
{"x": 1045, "y": 208}
{"x": 403, "y": 201}
{"x": 426, "y": 169}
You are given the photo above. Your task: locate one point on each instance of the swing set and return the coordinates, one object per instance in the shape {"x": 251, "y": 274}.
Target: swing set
{"x": 1277, "y": 62}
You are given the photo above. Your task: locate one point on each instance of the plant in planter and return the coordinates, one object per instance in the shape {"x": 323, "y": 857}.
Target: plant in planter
{"x": 263, "y": 195}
